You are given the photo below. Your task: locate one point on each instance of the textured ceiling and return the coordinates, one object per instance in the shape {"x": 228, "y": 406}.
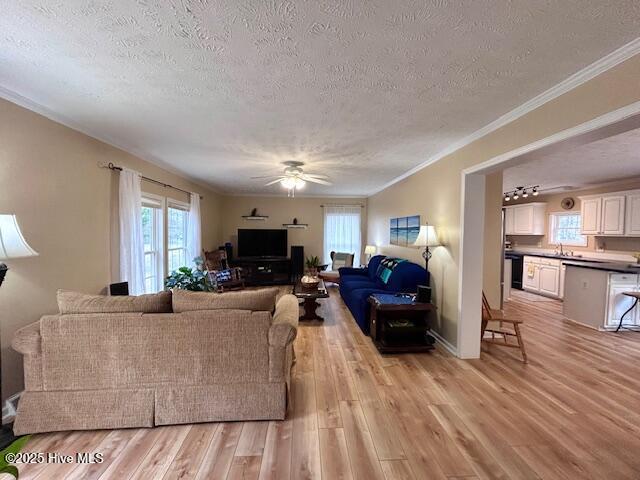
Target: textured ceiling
{"x": 608, "y": 160}
{"x": 362, "y": 90}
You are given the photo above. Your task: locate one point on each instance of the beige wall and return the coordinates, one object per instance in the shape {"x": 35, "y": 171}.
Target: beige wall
{"x": 493, "y": 257}
{"x": 617, "y": 245}
{"x": 434, "y": 192}
{"x": 283, "y": 210}
{"x": 66, "y": 206}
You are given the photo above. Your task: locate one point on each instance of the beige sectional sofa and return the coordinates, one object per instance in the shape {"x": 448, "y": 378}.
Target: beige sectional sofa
{"x": 119, "y": 362}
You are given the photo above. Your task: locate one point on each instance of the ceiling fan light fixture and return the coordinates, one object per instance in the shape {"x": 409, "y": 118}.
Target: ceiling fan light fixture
{"x": 288, "y": 183}
{"x": 299, "y": 183}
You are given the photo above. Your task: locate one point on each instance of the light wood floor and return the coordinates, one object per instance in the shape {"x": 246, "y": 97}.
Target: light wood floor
{"x": 571, "y": 413}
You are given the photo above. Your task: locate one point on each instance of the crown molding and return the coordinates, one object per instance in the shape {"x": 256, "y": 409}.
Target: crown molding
{"x": 283, "y": 195}
{"x": 591, "y": 71}
{"x": 45, "y": 111}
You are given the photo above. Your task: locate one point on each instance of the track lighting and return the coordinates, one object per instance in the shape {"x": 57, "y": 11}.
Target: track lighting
{"x": 523, "y": 192}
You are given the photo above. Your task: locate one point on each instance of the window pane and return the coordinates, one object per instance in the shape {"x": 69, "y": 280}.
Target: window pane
{"x": 566, "y": 229}
{"x": 147, "y": 228}
{"x": 177, "y": 228}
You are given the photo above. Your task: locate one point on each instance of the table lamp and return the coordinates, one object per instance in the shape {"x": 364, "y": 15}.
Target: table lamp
{"x": 368, "y": 251}
{"x": 427, "y": 237}
{"x": 12, "y": 245}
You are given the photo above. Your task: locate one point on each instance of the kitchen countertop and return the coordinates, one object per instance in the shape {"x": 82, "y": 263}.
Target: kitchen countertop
{"x": 553, "y": 255}
{"x": 610, "y": 266}
{"x": 617, "y": 267}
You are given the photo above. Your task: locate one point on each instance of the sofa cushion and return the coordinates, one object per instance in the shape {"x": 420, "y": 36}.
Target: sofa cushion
{"x": 73, "y": 302}
{"x": 386, "y": 268}
{"x": 254, "y": 300}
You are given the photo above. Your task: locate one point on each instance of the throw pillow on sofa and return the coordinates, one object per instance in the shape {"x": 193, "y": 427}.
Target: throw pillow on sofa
{"x": 254, "y": 300}
{"x": 386, "y": 268}
{"x": 74, "y": 302}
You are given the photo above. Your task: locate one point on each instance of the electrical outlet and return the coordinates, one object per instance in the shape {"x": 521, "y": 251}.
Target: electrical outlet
{"x": 585, "y": 284}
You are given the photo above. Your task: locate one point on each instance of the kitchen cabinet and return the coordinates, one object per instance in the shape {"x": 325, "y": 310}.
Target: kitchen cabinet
{"x": 590, "y": 211}
{"x": 508, "y": 221}
{"x": 549, "y": 282}
{"x": 632, "y": 220}
{"x": 530, "y": 276}
{"x": 618, "y": 303}
{"x": 525, "y": 219}
{"x": 542, "y": 275}
{"x": 613, "y": 214}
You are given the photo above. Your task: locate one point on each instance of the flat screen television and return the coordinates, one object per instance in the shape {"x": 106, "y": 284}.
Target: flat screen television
{"x": 262, "y": 243}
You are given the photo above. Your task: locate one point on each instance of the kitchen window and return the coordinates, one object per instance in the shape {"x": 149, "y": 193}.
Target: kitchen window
{"x": 564, "y": 228}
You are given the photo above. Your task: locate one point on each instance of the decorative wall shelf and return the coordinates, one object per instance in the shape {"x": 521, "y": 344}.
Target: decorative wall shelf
{"x": 255, "y": 217}
{"x": 295, "y": 225}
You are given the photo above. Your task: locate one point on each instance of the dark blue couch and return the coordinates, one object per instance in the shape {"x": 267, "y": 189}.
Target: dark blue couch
{"x": 356, "y": 284}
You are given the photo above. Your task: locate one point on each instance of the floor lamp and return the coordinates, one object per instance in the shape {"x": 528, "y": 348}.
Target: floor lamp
{"x": 12, "y": 245}
{"x": 427, "y": 238}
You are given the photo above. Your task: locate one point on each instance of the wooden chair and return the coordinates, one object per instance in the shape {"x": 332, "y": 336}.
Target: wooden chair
{"x": 223, "y": 276}
{"x": 490, "y": 315}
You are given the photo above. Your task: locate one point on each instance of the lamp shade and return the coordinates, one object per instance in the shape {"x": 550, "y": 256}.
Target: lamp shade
{"x": 427, "y": 237}
{"x": 12, "y": 243}
{"x": 369, "y": 249}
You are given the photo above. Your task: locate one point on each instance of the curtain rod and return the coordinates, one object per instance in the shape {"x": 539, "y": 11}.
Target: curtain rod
{"x": 111, "y": 166}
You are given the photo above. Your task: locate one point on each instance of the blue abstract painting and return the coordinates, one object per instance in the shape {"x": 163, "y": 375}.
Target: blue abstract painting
{"x": 404, "y": 231}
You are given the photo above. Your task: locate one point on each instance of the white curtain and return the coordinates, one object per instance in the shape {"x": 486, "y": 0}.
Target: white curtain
{"x": 131, "y": 245}
{"x": 342, "y": 231}
{"x": 194, "y": 230}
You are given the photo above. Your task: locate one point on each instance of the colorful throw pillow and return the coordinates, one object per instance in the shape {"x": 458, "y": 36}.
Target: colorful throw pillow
{"x": 386, "y": 268}
{"x": 223, "y": 276}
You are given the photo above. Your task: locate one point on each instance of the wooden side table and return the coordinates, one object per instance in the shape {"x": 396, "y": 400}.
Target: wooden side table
{"x": 399, "y": 324}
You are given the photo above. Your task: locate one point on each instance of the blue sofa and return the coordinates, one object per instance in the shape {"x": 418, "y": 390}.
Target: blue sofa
{"x": 356, "y": 284}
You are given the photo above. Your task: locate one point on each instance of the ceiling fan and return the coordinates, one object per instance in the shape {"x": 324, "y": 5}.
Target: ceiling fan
{"x": 294, "y": 178}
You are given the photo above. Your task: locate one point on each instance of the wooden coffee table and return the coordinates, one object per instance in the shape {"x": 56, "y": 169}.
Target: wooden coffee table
{"x": 310, "y": 298}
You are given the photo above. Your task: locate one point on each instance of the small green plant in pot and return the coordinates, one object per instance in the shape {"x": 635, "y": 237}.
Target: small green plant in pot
{"x": 185, "y": 278}
{"x": 312, "y": 264}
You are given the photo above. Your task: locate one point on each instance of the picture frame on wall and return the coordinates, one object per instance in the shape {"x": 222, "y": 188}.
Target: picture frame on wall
{"x": 403, "y": 231}
{"x": 393, "y": 231}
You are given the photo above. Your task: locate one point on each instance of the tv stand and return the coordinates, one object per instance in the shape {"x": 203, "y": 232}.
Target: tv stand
{"x": 264, "y": 271}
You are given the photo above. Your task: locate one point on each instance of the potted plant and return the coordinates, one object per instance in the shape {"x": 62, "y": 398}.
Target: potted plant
{"x": 312, "y": 264}
{"x": 185, "y": 278}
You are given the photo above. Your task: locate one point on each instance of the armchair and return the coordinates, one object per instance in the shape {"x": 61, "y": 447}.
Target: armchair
{"x": 221, "y": 275}
{"x": 339, "y": 260}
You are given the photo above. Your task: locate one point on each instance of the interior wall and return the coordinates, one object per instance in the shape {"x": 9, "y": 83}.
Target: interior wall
{"x": 493, "y": 258}
{"x": 282, "y": 209}
{"x": 67, "y": 209}
{"x": 435, "y": 191}
{"x": 617, "y": 245}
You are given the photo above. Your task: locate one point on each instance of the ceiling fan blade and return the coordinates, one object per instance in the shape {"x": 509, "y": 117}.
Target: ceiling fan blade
{"x": 315, "y": 175}
{"x": 264, "y": 177}
{"x": 318, "y": 180}
{"x": 277, "y": 180}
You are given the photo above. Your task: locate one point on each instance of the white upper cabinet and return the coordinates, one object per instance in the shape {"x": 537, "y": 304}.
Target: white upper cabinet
{"x": 590, "y": 213}
{"x": 613, "y": 214}
{"x": 632, "y": 222}
{"x": 526, "y": 219}
{"x": 509, "y": 223}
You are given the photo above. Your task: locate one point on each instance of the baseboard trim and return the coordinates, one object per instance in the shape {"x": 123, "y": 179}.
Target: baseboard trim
{"x": 445, "y": 343}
